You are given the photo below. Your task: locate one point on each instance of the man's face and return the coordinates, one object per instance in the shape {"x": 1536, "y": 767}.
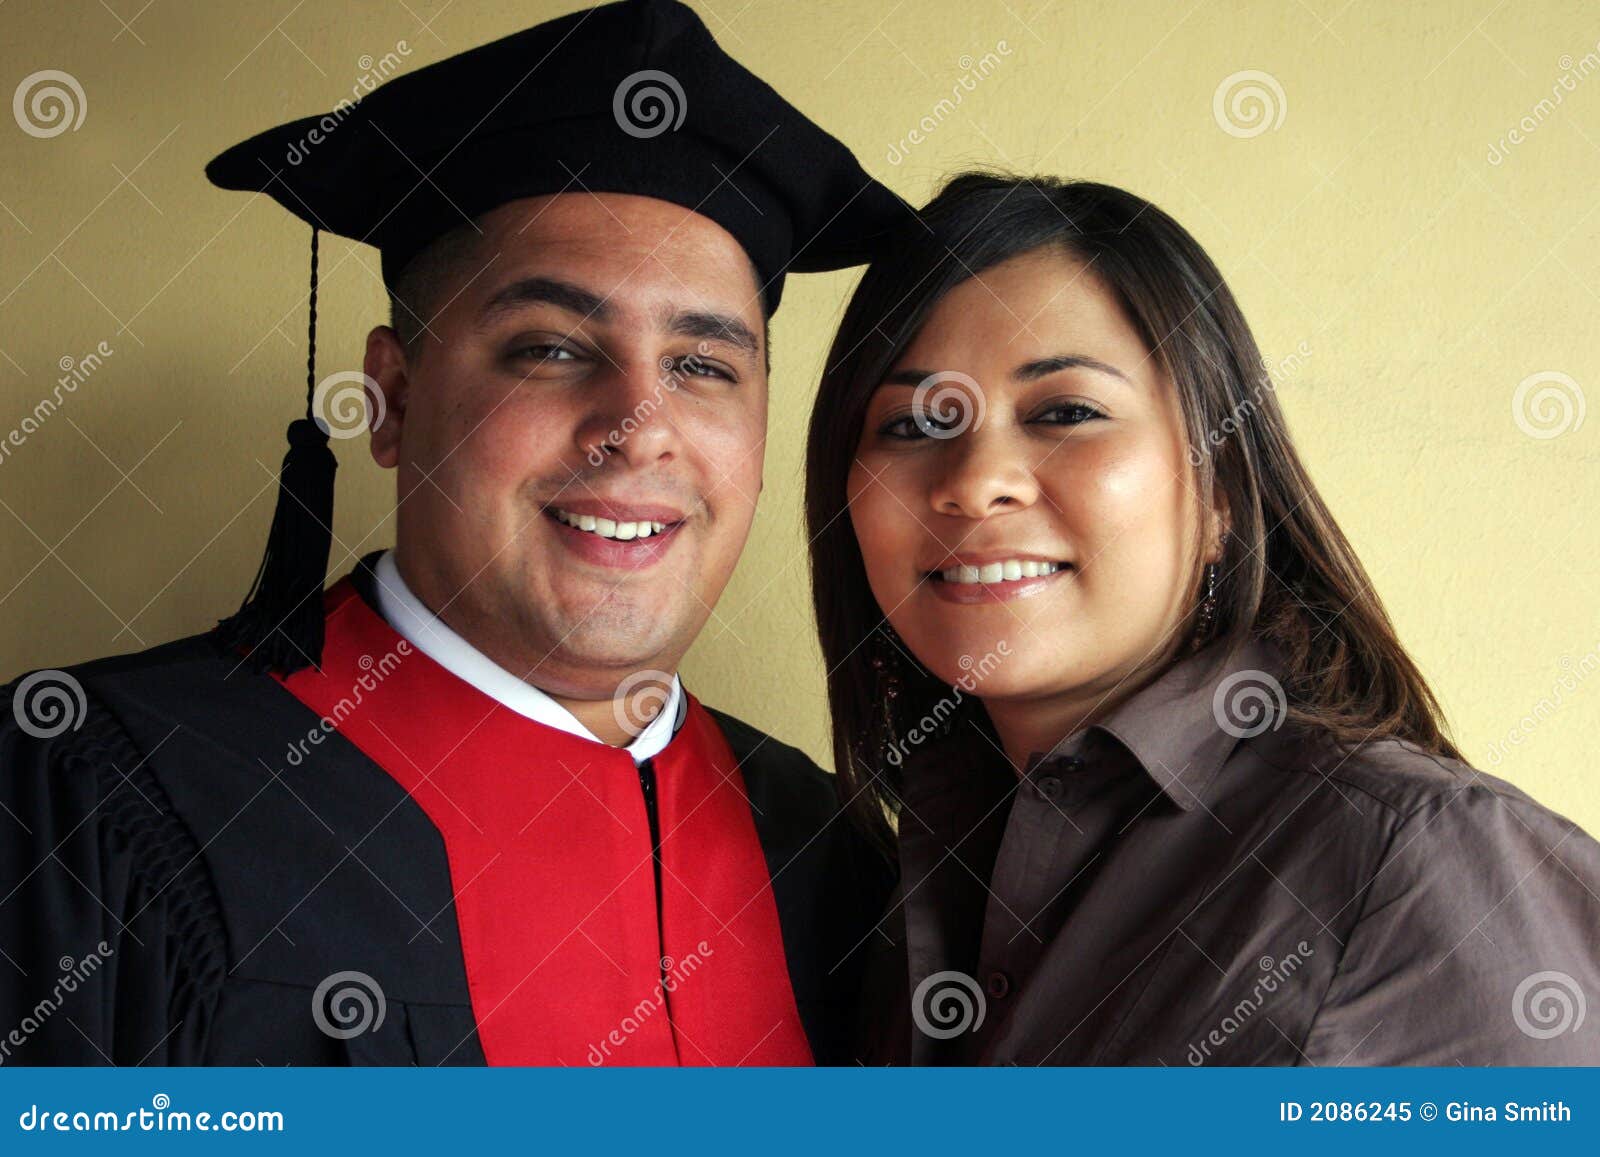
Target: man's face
{"x": 580, "y": 437}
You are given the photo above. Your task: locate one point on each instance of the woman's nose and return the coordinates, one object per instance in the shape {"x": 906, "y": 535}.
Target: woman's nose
{"x": 982, "y": 471}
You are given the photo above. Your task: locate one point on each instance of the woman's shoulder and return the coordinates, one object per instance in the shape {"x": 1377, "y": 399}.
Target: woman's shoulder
{"x": 1407, "y": 782}
{"x": 1476, "y": 903}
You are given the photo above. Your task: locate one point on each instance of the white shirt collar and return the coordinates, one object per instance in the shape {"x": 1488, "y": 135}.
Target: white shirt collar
{"x": 429, "y": 634}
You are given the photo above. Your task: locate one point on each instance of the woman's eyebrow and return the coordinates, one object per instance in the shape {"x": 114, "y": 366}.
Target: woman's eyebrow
{"x": 909, "y": 377}
{"x": 1026, "y": 372}
{"x": 1042, "y": 367}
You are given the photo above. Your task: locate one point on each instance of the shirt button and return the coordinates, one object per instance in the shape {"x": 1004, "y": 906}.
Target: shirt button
{"x": 999, "y": 984}
{"x": 1049, "y": 786}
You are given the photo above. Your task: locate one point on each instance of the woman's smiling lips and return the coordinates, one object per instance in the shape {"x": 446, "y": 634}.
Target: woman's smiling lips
{"x": 993, "y": 577}
{"x": 624, "y": 536}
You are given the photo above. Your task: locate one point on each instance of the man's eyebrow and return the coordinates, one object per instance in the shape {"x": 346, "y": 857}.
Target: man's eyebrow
{"x": 714, "y": 327}
{"x": 543, "y": 291}
{"x": 575, "y": 299}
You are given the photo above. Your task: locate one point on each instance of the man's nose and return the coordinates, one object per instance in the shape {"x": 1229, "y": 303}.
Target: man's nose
{"x": 630, "y": 414}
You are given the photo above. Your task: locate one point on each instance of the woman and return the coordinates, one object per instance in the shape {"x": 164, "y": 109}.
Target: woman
{"x": 1106, "y": 676}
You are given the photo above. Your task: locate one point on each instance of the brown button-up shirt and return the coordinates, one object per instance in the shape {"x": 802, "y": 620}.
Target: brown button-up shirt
{"x": 1194, "y": 880}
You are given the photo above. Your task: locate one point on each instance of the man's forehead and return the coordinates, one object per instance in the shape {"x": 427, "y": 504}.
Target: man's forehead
{"x": 643, "y": 257}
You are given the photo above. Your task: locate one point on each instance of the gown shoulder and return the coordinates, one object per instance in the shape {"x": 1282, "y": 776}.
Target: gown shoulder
{"x": 110, "y": 925}
{"x": 182, "y": 873}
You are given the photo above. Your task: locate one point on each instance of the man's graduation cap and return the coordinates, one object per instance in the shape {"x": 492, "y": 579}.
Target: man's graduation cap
{"x": 634, "y": 97}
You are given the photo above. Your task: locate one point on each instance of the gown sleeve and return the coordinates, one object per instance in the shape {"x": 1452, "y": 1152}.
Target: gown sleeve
{"x": 1478, "y": 943}
{"x": 112, "y": 948}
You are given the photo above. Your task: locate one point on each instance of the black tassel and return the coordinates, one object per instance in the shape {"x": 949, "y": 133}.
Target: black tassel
{"x": 280, "y": 622}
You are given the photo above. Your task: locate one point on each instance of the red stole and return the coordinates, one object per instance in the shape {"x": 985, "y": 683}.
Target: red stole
{"x": 550, "y": 864}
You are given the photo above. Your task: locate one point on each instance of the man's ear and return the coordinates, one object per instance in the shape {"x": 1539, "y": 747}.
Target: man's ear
{"x": 387, "y": 373}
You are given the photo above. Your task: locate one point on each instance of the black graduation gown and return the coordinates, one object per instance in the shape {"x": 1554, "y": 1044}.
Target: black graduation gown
{"x": 170, "y": 893}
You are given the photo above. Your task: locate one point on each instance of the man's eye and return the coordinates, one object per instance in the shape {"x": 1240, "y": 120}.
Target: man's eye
{"x": 544, "y": 353}
{"x": 695, "y": 366}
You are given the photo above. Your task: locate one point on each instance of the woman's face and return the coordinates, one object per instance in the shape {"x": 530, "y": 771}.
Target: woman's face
{"x": 1041, "y": 511}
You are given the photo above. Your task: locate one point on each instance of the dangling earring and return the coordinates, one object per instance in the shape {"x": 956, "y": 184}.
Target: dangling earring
{"x": 1206, "y": 618}
{"x": 889, "y": 684}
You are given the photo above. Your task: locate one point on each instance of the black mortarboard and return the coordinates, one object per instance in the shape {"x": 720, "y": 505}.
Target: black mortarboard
{"x": 635, "y": 97}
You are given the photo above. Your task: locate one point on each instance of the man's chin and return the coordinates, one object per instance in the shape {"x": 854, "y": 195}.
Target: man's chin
{"x": 609, "y": 642}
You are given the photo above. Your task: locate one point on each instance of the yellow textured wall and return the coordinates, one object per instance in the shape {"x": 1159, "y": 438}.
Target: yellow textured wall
{"x": 1413, "y": 240}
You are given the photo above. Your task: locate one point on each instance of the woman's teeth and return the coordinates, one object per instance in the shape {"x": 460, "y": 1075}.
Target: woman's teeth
{"x": 997, "y": 572}
{"x": 606, "y": 527}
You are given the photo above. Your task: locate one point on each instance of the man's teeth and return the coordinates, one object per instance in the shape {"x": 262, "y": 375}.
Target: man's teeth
{"x": 608, "y": 528}
{"x": 995, "y": 572}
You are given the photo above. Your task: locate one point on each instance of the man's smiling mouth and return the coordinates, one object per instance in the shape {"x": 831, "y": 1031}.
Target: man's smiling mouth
{"x": 623, "y": 531}
{"x": 616, "y": 534}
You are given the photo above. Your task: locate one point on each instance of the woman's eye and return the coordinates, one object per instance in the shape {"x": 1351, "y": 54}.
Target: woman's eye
{"x": 1070, "y": 414}
{"x": 910, "y": 427}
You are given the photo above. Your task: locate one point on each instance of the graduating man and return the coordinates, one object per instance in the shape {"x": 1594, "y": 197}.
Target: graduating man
{"x": 458, "y": 808}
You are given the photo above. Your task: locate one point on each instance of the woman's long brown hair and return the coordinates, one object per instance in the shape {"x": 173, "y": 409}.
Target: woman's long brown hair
{"x": 1288, "y": 572}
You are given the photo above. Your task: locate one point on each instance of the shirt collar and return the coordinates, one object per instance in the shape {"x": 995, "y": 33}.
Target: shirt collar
{"x": 428, "y": 633}
{"x": 1183, "y": 726}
